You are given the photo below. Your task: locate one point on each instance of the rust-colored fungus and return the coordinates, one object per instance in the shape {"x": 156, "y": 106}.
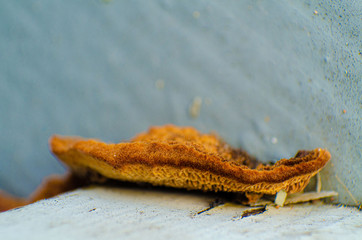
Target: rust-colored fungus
{"x": 181, "y": 158}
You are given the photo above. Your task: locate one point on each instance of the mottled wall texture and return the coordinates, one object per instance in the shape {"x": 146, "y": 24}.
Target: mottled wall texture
{"x": 271, "y": 77}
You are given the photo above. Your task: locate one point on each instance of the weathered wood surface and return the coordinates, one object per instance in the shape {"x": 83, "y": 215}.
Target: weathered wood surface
{"x": 139, "y": 213}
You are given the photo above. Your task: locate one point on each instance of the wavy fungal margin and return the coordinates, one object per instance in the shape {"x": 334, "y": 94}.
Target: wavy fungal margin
{"x": 184, "y": 158}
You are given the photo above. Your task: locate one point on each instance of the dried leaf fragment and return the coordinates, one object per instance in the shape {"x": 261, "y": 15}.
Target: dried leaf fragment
{"x": 309, "y": 196}
{"x": 298, "y": 198}
{"x": 280, "y": 198}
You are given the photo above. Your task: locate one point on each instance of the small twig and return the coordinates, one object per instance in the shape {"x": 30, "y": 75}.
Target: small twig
{"x": 251, "y": 212}
{"x": 319, "y": 183}
{"x": 345, "y": 187}
{"x": 205, "y": 210}
{"x": 217, "y": 202}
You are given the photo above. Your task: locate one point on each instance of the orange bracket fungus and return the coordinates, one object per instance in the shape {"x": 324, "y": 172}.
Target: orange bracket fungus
{"x": 179, "y": 157}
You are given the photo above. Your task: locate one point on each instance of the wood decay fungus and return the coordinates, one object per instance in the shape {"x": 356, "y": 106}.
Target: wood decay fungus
{"x": 178, "y": 157}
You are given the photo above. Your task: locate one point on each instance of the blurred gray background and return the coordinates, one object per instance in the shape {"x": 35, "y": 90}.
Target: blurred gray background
{"x": 271, "y": 77}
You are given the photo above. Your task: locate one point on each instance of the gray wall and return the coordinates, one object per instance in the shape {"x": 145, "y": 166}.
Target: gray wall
{"x": 273, "y": 77}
